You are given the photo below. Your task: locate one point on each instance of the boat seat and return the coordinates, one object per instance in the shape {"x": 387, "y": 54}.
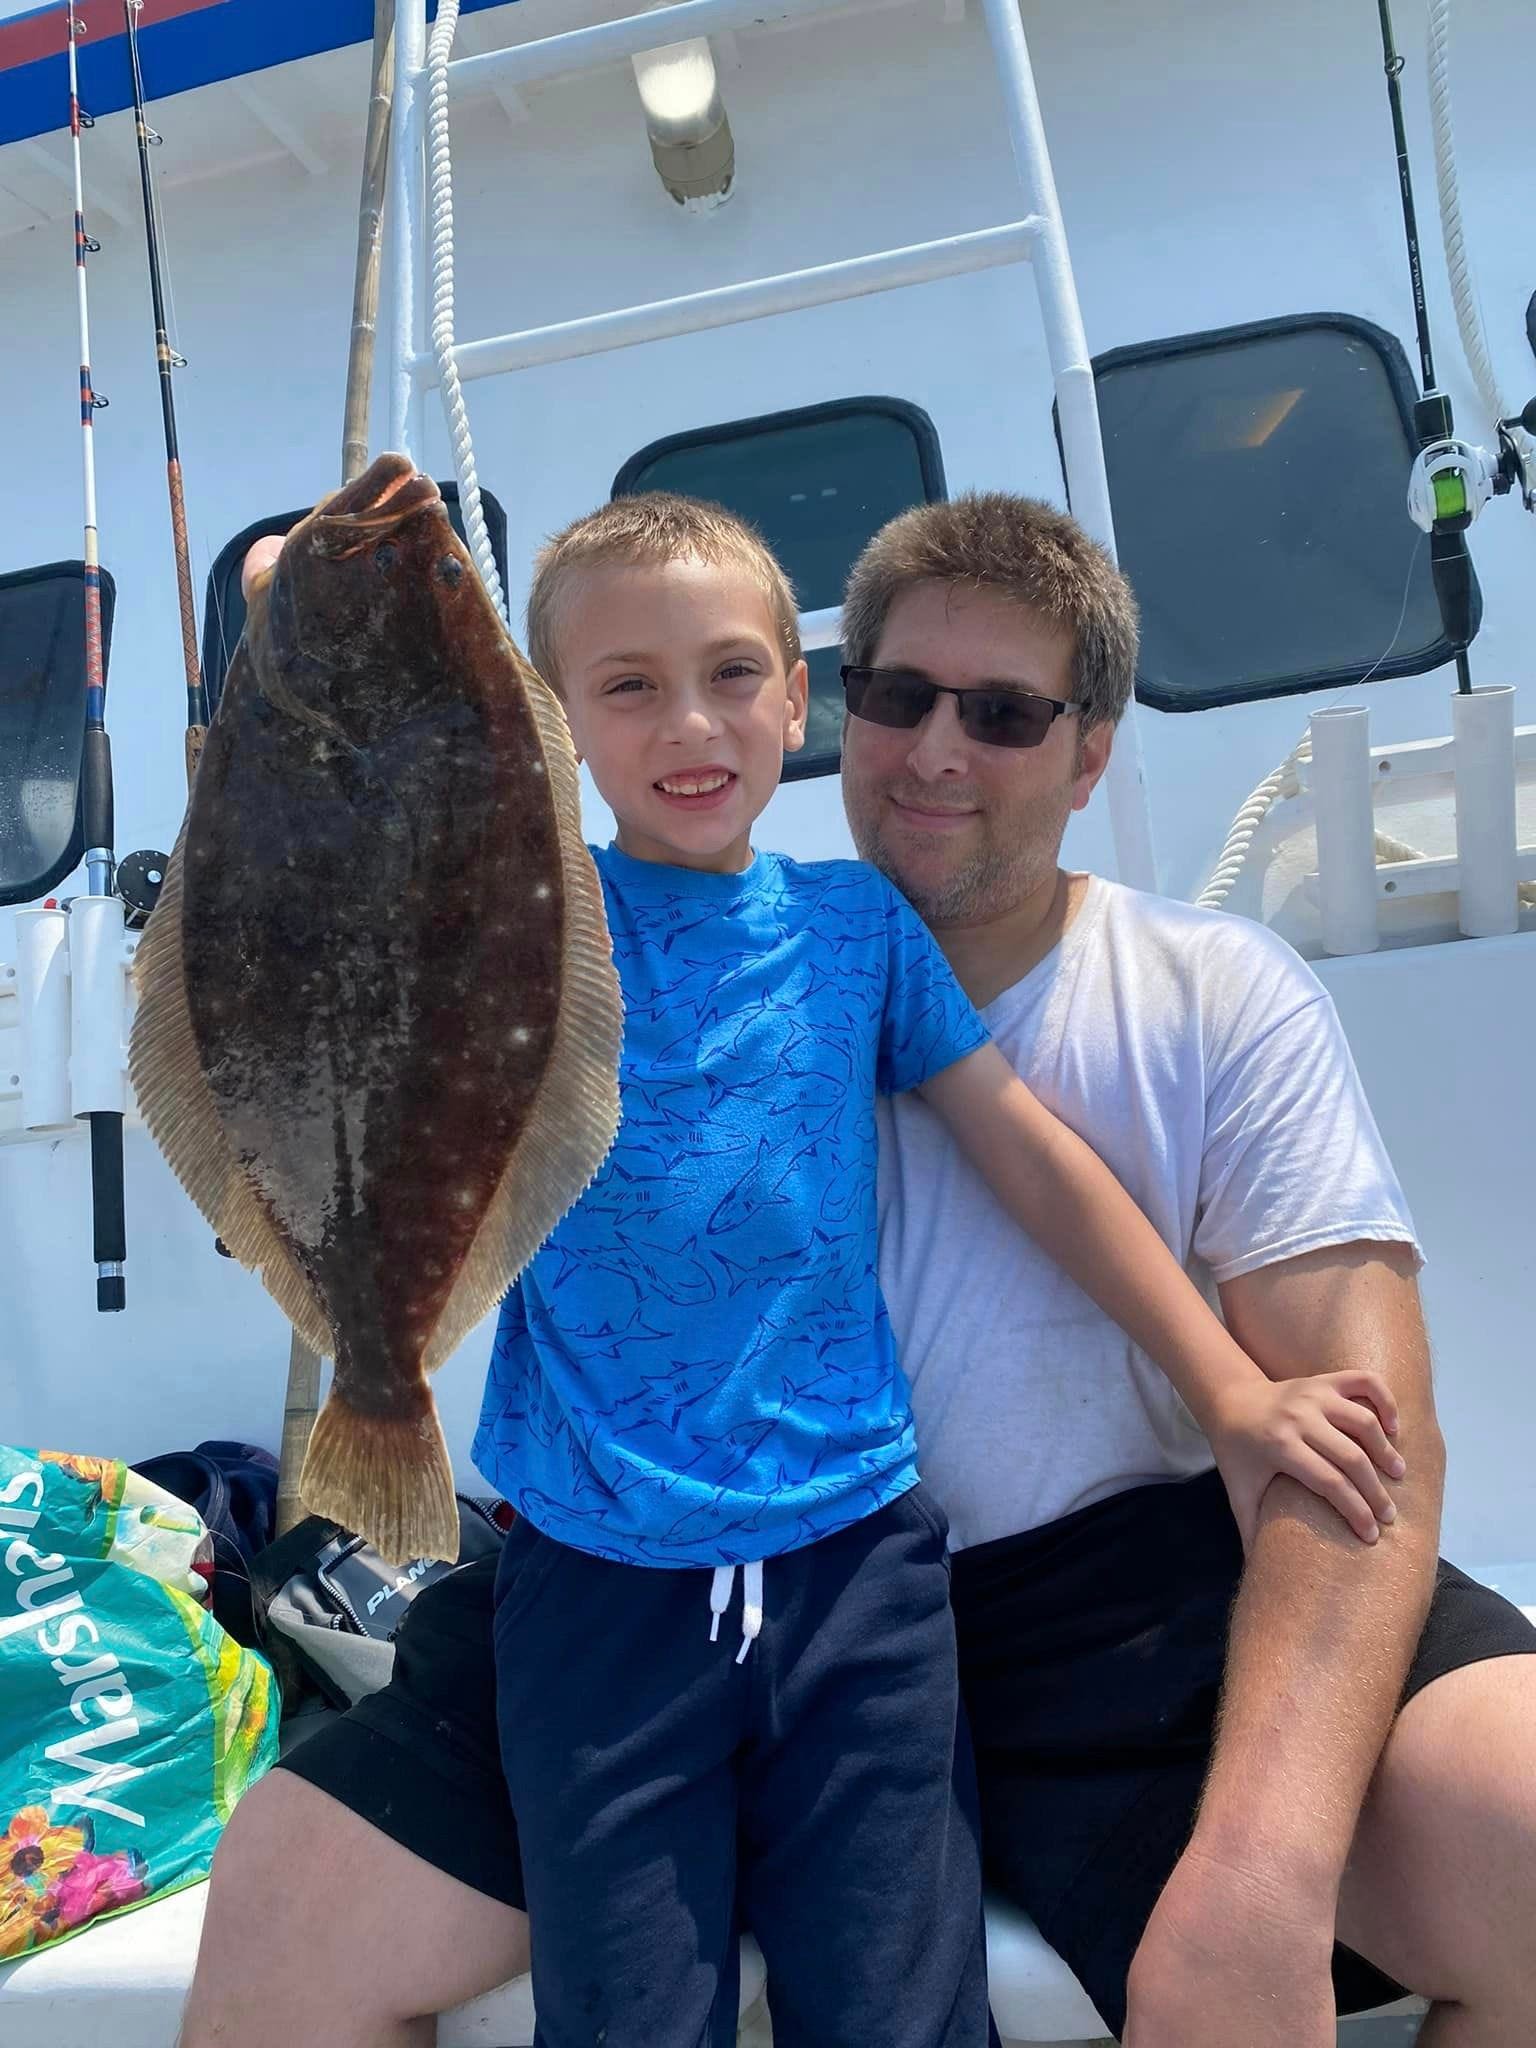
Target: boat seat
{"x": 125, "y": 1982}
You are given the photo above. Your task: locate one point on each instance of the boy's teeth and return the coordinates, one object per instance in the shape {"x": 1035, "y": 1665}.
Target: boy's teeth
{"x": 694, "y": 786}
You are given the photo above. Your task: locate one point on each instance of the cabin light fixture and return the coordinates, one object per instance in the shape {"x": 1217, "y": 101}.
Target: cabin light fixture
{"x": 685, "y": 118}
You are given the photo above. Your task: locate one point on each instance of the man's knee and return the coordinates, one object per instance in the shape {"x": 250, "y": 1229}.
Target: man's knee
{"x": 317, "y": 1924}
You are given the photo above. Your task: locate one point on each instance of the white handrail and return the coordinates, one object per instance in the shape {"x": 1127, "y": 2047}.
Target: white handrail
{"x": 726, "y": 305}
{"x": 1077, "y": 408}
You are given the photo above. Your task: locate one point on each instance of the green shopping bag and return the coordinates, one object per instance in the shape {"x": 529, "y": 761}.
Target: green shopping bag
{"x": 130, "y": 1723}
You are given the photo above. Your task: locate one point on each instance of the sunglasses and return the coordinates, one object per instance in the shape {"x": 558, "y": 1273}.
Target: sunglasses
{"x": 997, "y": 718}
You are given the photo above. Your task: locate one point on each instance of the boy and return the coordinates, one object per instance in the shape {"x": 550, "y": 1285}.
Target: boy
{"x": 696, "y": 1374}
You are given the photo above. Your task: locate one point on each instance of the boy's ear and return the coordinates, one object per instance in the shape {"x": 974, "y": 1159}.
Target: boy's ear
{"x": 797, "y": 698}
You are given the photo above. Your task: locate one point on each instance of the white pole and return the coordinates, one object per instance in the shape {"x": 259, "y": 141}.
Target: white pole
{"x": 402, "y": 225}
{"x": 1346, "y": 828}
{"x": 42, "y": 984}
{"x": 1483, "y": 727}
{"x": 1082, "y": 444}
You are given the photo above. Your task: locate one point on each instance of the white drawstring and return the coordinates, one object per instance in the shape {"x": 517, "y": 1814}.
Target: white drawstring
{"x": 720, "y": 1597}
{"x": 751, "y": 1607}
{"x": 720, "y": 1587}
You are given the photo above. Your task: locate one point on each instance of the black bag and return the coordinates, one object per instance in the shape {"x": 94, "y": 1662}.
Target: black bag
{"x": 233, "y": 1486}
{"x": 331, "y": 1605}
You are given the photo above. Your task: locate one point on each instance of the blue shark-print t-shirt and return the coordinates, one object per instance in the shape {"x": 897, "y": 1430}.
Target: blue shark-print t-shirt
{"x": 697, "y": 1368}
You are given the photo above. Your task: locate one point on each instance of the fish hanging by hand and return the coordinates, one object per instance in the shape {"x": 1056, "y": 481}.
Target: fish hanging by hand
{"x": 378, "y": 1025}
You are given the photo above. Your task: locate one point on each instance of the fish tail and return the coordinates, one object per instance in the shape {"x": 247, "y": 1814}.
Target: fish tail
{"x": 385, "y": 1477}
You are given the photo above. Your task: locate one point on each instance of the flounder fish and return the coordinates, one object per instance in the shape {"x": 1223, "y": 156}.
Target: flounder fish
{"x": 378, "y": 1025}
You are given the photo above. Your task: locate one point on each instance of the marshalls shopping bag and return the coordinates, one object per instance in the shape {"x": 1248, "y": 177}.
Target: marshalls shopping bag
{"x": 130, "y": 1723}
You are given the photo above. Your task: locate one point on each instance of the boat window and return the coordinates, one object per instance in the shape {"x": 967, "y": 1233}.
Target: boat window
{"x": 1258, "y": 477}
{"x": 816, "y": 483}
{"x": 224, "y": 607}
{"x": 42, "y": 723}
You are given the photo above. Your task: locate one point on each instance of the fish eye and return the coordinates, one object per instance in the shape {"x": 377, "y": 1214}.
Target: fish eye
{"x": 450, "y": 568}
{"x": 386, "y": 554}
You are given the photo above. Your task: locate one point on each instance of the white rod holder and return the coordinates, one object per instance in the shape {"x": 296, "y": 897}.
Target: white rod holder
{"x": 98, "y": 1005}
{"x": 1082, "y": 443}
{"x": 42, "y": 986}
{"x": 1346, "y": 829}
{"x": 1483, "y": 728}
{"x": 610, "y": 42}
{"x": 727, "y": 305}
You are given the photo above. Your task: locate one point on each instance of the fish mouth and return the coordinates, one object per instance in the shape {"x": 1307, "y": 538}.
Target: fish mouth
{"x": 383, "y": 499}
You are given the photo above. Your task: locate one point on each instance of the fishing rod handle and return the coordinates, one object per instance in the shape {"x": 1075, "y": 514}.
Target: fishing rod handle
{"x": 96, "y": 787}
{"x": 109, "y": 1230}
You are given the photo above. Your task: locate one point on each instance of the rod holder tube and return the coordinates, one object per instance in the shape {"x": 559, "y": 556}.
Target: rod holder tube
{"x": 98, "y": 1006}
{"x": 1346, "y": 829}
{"x": 42, "y": 988}
{"x": 1487, "y": 854}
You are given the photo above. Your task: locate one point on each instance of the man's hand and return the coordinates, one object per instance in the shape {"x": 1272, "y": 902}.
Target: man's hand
{"x": 1331, "y": 1431}
{"x": 1226, "y": 1959}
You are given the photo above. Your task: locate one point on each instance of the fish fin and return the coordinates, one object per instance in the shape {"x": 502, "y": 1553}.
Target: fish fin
{"x": 576, "y": 1113}
{"x": 166, "y": 1070}
{"x": 384, "y": 1477}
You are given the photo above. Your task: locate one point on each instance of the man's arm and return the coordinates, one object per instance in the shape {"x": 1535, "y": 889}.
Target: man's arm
{"x": 1322, "y": 1636}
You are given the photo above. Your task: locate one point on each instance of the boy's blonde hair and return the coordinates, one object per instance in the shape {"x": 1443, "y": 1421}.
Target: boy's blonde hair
{"x": 655, "y": 526}
{"x": 1023, "y": 549}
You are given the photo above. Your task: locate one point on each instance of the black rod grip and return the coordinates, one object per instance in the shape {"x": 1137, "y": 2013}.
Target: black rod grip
{"x": 96, "y": 787}
{"x": 1451, "y": 566}
{"x": 109, "y": 1230}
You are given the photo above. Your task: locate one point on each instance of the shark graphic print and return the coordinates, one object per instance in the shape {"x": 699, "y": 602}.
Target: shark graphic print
{"x": 697, "y": 1368}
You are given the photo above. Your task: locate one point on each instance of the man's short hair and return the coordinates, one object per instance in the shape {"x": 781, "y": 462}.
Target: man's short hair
{"x": 652, "y": 527}
{"x": 1023, "y": 549}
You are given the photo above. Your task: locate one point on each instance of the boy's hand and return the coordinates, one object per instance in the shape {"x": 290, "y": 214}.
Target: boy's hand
{"x": 1331, "y": 1432}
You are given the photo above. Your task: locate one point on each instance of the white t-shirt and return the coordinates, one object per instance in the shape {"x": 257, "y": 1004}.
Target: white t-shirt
{"x": 1206, "y": 1065}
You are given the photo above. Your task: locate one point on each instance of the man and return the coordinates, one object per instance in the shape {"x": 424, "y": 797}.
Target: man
{"x": 1096, "y": 1560}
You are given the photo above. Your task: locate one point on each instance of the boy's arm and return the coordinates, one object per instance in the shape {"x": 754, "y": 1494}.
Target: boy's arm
{"x": 1059, "y": 1190}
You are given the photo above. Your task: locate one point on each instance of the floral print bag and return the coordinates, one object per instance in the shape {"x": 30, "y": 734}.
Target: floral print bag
{"x": 130, "y": 1723}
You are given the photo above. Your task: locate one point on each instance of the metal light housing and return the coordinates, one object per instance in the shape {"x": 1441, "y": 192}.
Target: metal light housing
{"x": 691, "y": 143}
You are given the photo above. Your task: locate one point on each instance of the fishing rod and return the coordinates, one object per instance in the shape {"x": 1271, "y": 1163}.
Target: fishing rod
{"x": 168, "y": 361}
{"x": 1448, "y": 488}
{"x": 1451, "y": 480}
{"x": 109, "y": 1232}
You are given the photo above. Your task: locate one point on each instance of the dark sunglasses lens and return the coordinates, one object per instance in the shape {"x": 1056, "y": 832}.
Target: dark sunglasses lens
{"x": 1005, "y": 718}
{"x": 886, "y": 697}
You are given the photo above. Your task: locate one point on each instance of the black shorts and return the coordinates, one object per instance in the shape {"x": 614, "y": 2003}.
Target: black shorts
{"x": 1091, "y": 1656}
{"x": 1090, "y": 1660}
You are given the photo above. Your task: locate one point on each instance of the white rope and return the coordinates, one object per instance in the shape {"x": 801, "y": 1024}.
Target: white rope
{"x": 440, "y": 182}
{"x": 1469, "y": 320}
{"x": 1283, "y": 781}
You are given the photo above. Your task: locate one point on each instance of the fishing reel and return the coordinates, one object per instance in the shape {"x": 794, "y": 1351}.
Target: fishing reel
{"x": 140, "y": 878}
{"x": 1452, "y": 480}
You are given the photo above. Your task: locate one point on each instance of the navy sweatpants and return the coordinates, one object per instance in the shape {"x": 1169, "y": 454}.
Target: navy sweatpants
{"x": 820, "y": 1792}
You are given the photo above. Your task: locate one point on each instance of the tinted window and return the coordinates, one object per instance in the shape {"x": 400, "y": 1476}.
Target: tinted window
{"x": 42, "y": 722}
{"x": 1258, "y": 477}
{"x": 817, "y": 483}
